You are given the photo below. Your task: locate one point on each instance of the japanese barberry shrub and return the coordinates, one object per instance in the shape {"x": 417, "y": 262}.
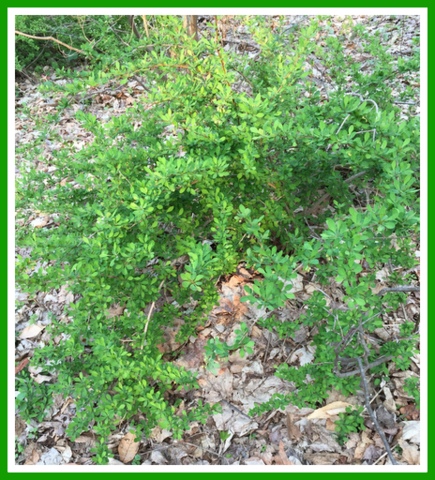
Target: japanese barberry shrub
{"x": 349, "y": 422}
{"x": 221, "y": 162}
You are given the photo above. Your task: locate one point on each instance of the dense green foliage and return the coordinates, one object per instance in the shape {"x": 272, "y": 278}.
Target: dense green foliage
{"x": 349, "y": 422}
{"x": 91, "y": 33}
{"x": 201, "y": 175}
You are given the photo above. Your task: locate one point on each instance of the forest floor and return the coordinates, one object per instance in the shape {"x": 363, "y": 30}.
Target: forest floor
{"x": 294, "y": 436}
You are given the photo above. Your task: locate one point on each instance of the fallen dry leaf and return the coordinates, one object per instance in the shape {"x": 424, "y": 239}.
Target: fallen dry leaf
{"x": 389, "y": 402}
{"x": 193, "y": 354}
{"x": 253, "y": 461}
{"x": 21, "y": 365}
{"x": 411, "y": 432}
{"x": 87, "y": 440}
{"x": 31, "y": 454}
{"x": 115, "y": 311}
{"x": 158, "y": 434}
{"x": 158, "y": 457}
{"x": 40, "y": 222}
{"x": 169, "y": 335}
{"x": 303, "y": 355}
{"x": 362, "y": 445}
{"x": 281, "y": 457}
{"x": 330, "y": 410}
{"x": 128, "y": 448}
{"x": 330, "y": 425}
{"x": 410, "y": 412}
{"x": 316, "y": 458}
{"x": 266, "y": 457}
{"x": 241, "y": 308}
{"x": 297, "y": 283}
{"x": 32, "y": 331}
{"x": 235, "y": 281}
{"x": 42, "y": 378}
{"x": 231, "y": 419}
{"x": 410, "y": 453}
{"x": 293, "y": 430}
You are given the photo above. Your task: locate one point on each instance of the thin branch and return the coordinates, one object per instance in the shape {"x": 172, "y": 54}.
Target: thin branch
{"x": 118, "y": 37}
{"x": 353, "y": 177}
{"x": 384, "y": 455}
{"x": 372, "y": 413}
{"x": 244, "y": 78}
{"x": 243, "y": 43}
{"x": 324, "y": 197}
{"x": 52, "y": 39}
{"x": 235, "y": 409}
{"x": 399, "y": 289}
{"x": 36, "y": 58}
{"x": 379, "y": 361}
{"x": 149, "y": 317}
{"x": 145, "y": 25}
{"x": 365, "y": 100}
{"x": 218, "y": 49}
{"x": 342, "y": 123}
{"x": 374, "y": 103}
{"x": 404, "y": 103}
{"x": 133, "y": 26}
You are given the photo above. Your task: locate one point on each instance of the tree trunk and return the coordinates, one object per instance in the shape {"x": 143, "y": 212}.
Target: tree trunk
{"x": 190, "y": 23}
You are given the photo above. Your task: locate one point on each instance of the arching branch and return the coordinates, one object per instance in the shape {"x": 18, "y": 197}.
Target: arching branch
{"x": 49, "y": 38}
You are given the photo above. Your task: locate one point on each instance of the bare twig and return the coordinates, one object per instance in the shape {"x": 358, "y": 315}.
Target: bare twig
{"x": 140, "y": 83}
{"x": 365, "y": 100}
{"x": 342, "y": 123}
{"x": 133, "y": 26}
{"x": 368, "y": 131}
{"x": 384, "y": 455}
{"x": 324, "y": 197}
{"x": 235, "y": 409}
{"x": 404, "y": 103}
{"x": 118, "y": 37}
{"x": 372, "y": 413}
{"x": 406, "y": 289}
{"x": 379, "y": 361}
{"x": 145, "y": 25}
{"x": 344, "y": 342}
{"x": 374, "y": 103}
{"x": 218, "y": 50}
{"x": 149, "y": 317}
{"x": 353, "y": 177}
{"x": 49, "y": 38}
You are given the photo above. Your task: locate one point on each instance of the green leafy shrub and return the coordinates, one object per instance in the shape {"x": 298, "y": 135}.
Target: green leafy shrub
{"x": 32, "y": 399}
{"x": 349, "y": 422}
{"x": 412, "y": 387}
{"x": 218, "y": 349}
{"x": 101, "y": 37}
{"x": 176, "y": 191}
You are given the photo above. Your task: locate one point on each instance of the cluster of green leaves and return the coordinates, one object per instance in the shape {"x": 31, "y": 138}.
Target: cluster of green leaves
{"x": 412, "y": 387}
{"x": 89, "y": 33}
{"x": 350, "y": 422}
{"x": 104, "y": 39}
{"x": 33, "y": 398}
{"x": 216, "y": 349}
{"x": 204, "y": 171}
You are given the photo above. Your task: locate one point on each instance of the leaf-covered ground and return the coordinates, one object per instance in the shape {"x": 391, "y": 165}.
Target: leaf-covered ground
{"x": 291, "y": 437}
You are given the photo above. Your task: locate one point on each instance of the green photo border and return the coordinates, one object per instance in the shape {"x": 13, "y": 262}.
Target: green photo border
{"x": 315, "y": 4}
